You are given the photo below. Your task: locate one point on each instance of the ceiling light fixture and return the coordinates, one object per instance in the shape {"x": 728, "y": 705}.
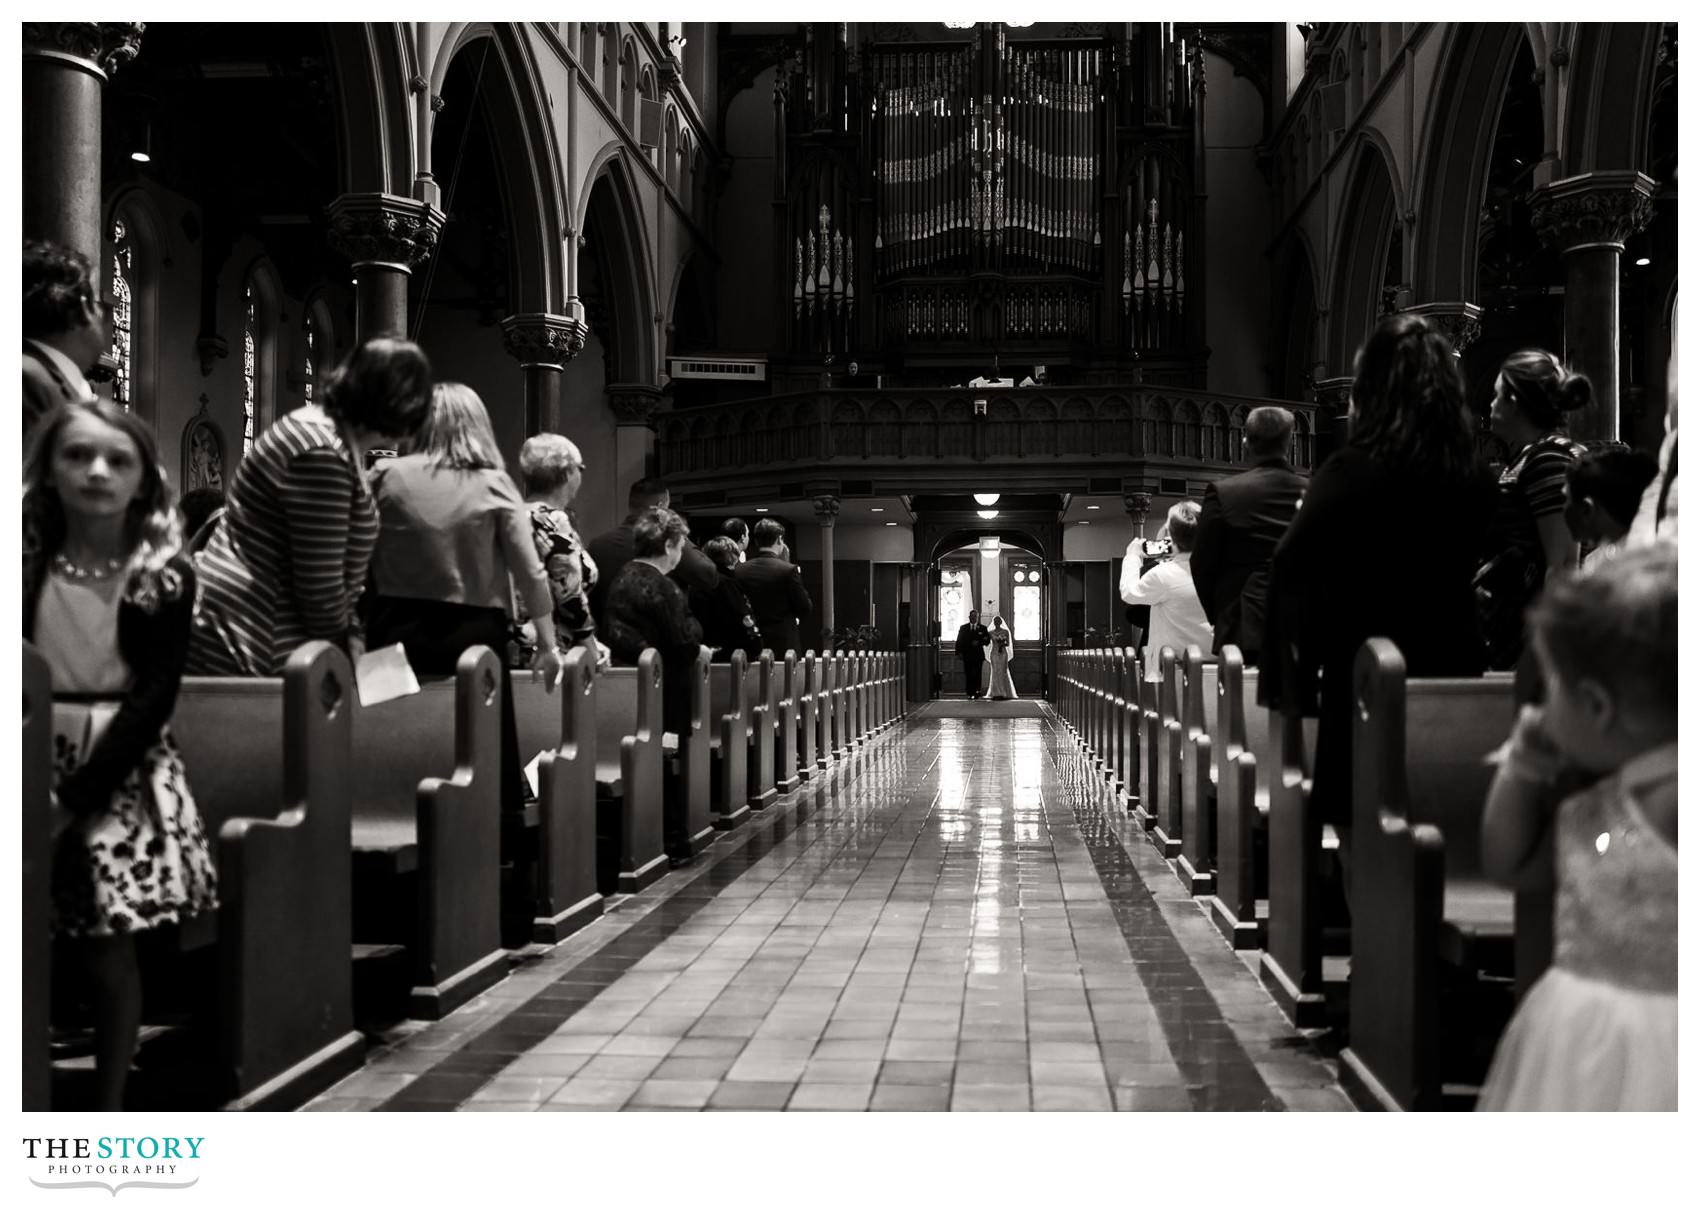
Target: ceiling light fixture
{"x": 988, "y": 513}
{"x": 761, "y": 509}
{"x": 891, "y": 524}
{"x": 987, "y": 498}
{"x": 1643, "y": 261}
{"x": 143, "y": 152}
{"x": 1094, "y": 507}
{"x": 876, "y": 509}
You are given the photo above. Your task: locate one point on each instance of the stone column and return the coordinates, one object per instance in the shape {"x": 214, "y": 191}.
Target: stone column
{"x": 1056, "y": 581}
{"x": 633, "y": 404}
{"x": 1587, "y": 218}
{"x": 826, "y": 511}
{"x": 66, "y": 64}
{"x": 543, "y": 343}
{"x": 920, "y": 651}
{"x": 385, "y": 236}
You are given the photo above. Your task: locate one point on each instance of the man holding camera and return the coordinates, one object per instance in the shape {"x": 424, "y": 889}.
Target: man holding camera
{"x": 1177, "y": 617}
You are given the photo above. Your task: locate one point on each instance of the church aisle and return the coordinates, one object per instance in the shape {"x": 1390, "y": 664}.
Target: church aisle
{"x": 946, "y": 921}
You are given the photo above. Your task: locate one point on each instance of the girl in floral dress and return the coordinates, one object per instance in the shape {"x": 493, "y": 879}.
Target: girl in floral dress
{"x": 108, "y": 597}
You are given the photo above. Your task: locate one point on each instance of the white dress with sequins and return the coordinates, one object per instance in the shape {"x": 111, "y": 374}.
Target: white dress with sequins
{"x": 1598, "y": 1030}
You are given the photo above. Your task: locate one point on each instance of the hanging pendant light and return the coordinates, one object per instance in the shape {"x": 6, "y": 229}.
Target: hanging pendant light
{"x": 987, "y": 498}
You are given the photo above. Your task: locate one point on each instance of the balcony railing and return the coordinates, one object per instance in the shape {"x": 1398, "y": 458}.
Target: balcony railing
{"x": 1175, "y": 429}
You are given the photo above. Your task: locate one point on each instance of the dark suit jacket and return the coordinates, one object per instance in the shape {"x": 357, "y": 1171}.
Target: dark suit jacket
{"x": 971, "y": 641}
{"x": 777, "y": 600}
{"x": 614, "y": 549}
{"x": 44, "y": 387}
{"x": 721, "y": 612}
{"x": 1243, "y": 519}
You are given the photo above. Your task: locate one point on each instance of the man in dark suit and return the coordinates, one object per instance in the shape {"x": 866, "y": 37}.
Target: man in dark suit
{"x": 971, "y": 641}
{"x": 774, "y": 587}
{"x": 64, "y": 327}
{"x": 613, "y": 550}
{"x": 1243, "y": 519}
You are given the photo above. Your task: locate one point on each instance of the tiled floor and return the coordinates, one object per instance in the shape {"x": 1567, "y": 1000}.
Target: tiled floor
{"x": 955, "y": 918}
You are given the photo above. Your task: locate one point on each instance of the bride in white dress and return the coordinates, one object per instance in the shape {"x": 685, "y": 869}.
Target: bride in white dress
{"x": 1001, "y": 685}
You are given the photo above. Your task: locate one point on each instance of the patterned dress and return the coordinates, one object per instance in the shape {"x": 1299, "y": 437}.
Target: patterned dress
{"x": 571, "y": 574}
{"x": 145, "y": 862}
{"x": 289, "y": 559}
{"x": 1597, "y": 1032}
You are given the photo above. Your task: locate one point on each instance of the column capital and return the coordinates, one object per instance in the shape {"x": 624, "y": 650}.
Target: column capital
{"x": 1334, "y": 392}
{"x": 99, "y": 47}
{"x": 1602, "y": 208}
{"x": 544, "y": 339}
{"x": 1138, "y": 506}
{"x": 633, "y": 403}
{"x": 826, "y": 508}
{"x": 1459, "y": 322}
{"x": 384, "y": 229}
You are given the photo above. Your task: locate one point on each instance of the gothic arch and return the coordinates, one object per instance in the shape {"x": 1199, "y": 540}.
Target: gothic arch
{"x": 1361, "y": 255}
{"x": 374, "y": 105}
{"x": 1606, "y": 126}
{"x": 149, "y": 239}
{"x": 621, "y": 248}
{"x": 1302, "y": 340}
{"x": 1456, "y": 147}
{"x": 517, "y": 107}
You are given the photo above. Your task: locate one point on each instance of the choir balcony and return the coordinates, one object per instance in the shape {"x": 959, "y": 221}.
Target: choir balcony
{"x": 967, "y": 437}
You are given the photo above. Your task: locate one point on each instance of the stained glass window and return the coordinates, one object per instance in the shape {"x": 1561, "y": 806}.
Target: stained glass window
{"x": 1028, "y": 624}
{"x": 250, "y": 371}
{"x": 312, "y": 356}
{"x": 123, "y": 317}
{"x": 955, "y": 591}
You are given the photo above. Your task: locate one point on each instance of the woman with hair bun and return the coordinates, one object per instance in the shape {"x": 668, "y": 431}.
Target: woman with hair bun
{"x": 1528, "y": 534}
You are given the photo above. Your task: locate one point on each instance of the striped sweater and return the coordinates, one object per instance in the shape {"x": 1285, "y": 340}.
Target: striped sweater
{"x": 288, "y": 560}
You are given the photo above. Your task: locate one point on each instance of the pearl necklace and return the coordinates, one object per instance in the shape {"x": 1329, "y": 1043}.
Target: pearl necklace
{"x": 96, "y": 572}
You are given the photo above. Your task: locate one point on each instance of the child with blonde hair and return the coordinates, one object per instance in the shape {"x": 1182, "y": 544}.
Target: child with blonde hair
{"x": 1595, "y": 766}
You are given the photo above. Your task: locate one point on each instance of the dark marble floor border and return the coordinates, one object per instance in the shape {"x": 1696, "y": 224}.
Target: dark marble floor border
{"x": 1219, "y": 1073}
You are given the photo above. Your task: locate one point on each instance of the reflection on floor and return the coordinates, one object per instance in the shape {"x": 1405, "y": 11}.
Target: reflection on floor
{"x": 955, "y": 918}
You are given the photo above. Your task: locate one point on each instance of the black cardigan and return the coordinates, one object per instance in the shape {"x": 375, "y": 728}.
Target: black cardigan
{"x": 155, "y": 646}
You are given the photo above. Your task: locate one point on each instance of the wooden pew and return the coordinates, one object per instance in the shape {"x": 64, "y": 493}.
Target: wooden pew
{"x": 808, "y": 707}
{"x": 1292, "y": 967}
{"x": 761, "y": 700}
{"x": 284, "y": 1017}
{"x": 1129, "y": 725}
{"x": 729, "y": 715}
{"x": 1166, "y": 785}
{"x": 860, "y": 726}
{"x": 1150, "y": 739}
{"x": 564, "y": 892}
{"x": 1194, "y": 865}
{"x": 785, "y": 776}
{"x": 844, "y": 740}
{"x": 444, "y": 834}
{"x": 1233, "y": 908}
{"x": 36, "y": 758}
{"x": 688, "y": 793}
{"x": 630, "y": 796}
{"x": 1425, "y": 919}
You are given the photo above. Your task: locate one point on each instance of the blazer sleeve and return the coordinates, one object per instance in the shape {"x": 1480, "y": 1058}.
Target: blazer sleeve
{"x": 1207, "y": 551}
{"x": 157, "y": 648}
{"x": 801, "y": 604}
{"x": 695, "y": 570}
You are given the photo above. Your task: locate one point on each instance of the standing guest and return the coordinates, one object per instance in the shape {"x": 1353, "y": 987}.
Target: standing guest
{"x": 971, "y": 641}
{"x": 738, "y": 531}
{"x": 1597, "y": 1032}
{"x": 775, "y": 588}
{"x": 1361, "y": 557}
{"x": 724, "y": 612}
{"x": 1602, "y": 491}
{"x": 64, "y": 328}
{"x": 552, "y": 471}
{"x": 1177, "y": 616}
{"x": 454, "y": 530}
{"x": 1656, "y": 517}
{"x": 1243, "y": 518}
{"x": 287, "y": 562}
{"x": 611, "y": 549}
{"x": 1528, "y": 536}
{"x": 201, "y": 509}
{"x": 108, "y": 595}
{"x": 645, "y": 609}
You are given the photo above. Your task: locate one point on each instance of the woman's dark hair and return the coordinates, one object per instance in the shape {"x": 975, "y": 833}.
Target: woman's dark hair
{"x": 58, "y": 281}
{"x": 723, "y": 550}
{"x": 1409, "y": 397}
{"x": 384, "y": 386}
{"x": 736, "y": 528}
{"x": 1542, "y": 389}
{"x": 1614, "y": 477}
{"x": 654, "y": 529}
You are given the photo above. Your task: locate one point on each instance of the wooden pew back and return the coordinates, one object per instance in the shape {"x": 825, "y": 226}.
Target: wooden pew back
{"x": 37, "y": 759}
{"x": 729, "y": 718}
{"x": 628, "y": 749}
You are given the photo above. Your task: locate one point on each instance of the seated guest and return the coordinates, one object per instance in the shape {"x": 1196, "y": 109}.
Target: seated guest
{"x": 724, "y": 611}
{"x": 201, "y": 509}
{"x": 1656, "y": 517}
{"x": 552, "y": 470}
{"x": 611, "y": 549}
{"x": 1385, "y": 544}
{"x": 454, "y": 530}
{"x": 646, "y": 610}
{"x": 738, "y": 531}
{"x": 774, "y": 587}
{"x": 1601, "y": 494}
{"x": 64, "y": 328}
{"x": 288, "y": 560}
{"x": 1177, "y": 616}
{"x": 1243, "y": 518}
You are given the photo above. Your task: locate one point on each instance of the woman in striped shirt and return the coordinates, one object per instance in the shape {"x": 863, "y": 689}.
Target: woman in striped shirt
{"x": 288, "y": 560}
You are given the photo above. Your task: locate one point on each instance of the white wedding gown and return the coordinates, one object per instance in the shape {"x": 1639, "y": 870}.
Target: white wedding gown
{"x": 1001, "y": 685}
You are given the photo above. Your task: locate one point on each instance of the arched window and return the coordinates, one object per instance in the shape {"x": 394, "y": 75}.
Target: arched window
{"x": 628, "y": 86}
{"x": 610, "y": 68}
{"x": 310, "y": 361}
{"x": 250, "y": 369}
{"x": 956, "y": 599}
{"x": 123, "y": 315}
{"x": 587, "y": 49}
